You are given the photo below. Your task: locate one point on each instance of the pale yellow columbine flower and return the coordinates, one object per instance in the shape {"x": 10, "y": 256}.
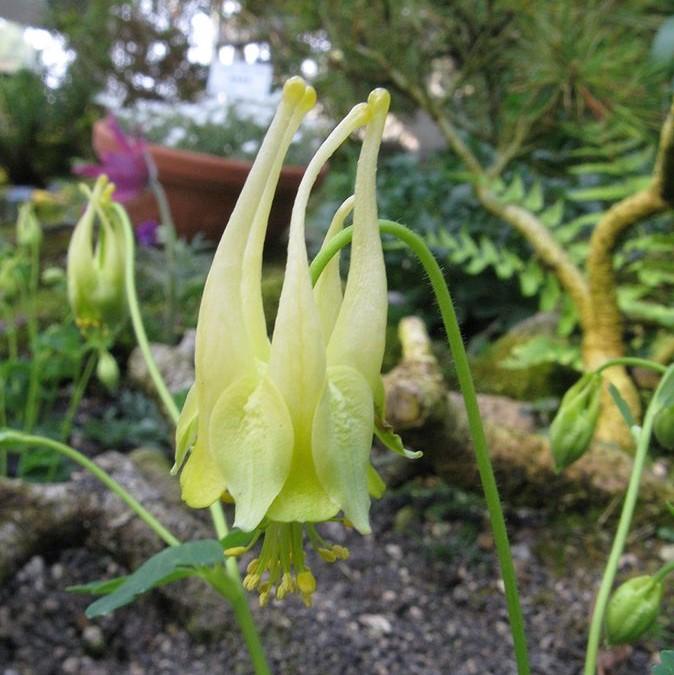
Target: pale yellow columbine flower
{"x": 286, "y": 426}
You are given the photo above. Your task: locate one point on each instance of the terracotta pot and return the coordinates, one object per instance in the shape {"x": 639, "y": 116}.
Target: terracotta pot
{"x": 202, "y": 189}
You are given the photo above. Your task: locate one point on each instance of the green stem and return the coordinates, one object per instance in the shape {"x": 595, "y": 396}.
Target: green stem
{"x": 20, "y": 438}
{"x": 137, "y": 319}
{"x": 618, "y": 543}
{"x": 632, "y": 361}
{"x": 32, "y": 403}
{"x": 10, "y": 331}
{"x": 217, "y": 515}
{"x": 666, "y": 569}
{"x": 443, "y": 297}
{"x": 170, "y": 244}
{"x": 78, "y": 391}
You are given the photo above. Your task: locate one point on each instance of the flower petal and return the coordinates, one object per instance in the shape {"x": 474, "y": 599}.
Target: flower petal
{"x": 359, "y": 335}
{"x": 252, "y": 438}
{"x": 328, "y": 288}
{"x": 223, "y": 349}
{"x": 342, "y": 440}
{"x": 251, "y": 281}
{"x": 201, "y": 481}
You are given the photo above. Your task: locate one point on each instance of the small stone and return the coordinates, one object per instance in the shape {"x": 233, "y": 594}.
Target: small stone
{"x": 57, "y": 571}
{"x": 394, "y": 551}
{"x": 71, "y": 665}
{"x": 666, "y": 553}
{"x": 485, "y": 541}
{"x": 93, "y": 639}
{"x": 416, "y": 613}
{"x": 376, "y": 624}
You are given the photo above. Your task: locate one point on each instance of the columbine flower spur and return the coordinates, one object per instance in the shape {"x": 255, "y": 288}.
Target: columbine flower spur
{"x": 284, "y": 427}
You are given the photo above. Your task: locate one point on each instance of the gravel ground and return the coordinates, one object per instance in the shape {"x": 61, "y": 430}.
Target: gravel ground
{"x": 420, "y": 597}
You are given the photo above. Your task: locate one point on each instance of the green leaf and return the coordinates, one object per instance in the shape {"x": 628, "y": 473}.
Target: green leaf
{"x": 388, "y": 438}
{"x": 515, "y": 191}
{"x": 670, "y": 506}
{"x": 552, "y": 216}
{"x": 531, "y": 278}
{"x": 156, "y": 570}
{"x": 100, "y": 587}
{"x": 534, "y": 200}
{"x": 665, "y": 392}
{"x": 622, "y": 406}
{"x": 550, "y": 294}
{"x": 612, "y": 192}
{"x": 540, "y": 350}
{"x": 666, "y": 665}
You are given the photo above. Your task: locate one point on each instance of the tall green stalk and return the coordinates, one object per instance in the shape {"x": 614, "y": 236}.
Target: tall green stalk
{"x": 239, "y": 600}
{"x": 32, "y": 398}
{"x": 417, "y": 245}
{"x": 625, "y": 521}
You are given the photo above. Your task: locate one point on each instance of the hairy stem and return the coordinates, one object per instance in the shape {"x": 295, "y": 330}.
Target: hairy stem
{"x": 18, "y": 438}
{"x": 443, "y": 297}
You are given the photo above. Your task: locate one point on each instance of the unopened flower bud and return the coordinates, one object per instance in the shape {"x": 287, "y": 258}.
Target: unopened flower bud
{"x": 107, "y": 370}
{"x": 96, "y": 287}
{"x": 663, "y": 426}
{"x": 633, "y": 609}
{"x": 573, "y": 427}
{"x": 28, "y": 230}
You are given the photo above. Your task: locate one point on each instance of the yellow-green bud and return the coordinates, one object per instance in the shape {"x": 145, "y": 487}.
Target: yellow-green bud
{"x": 633, "y": 609}
{"x": 28, "y": 230}
{"x": 107, "y": 370}
{"x": 663, "y": 426}
{"x": 573, "y": 427}
{"x": 9, "y": 279}
{"x": 96, "y": 287}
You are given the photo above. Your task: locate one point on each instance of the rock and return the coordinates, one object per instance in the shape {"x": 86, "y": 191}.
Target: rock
{"x": 377, "y": 625}
{"x": 175, "y": 363}
{"x": 93, "y": 640}
{"x": 666, "y": 553}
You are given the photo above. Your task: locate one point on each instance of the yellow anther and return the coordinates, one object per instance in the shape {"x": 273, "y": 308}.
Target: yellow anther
{"x": 347, "y": 523}
{"x": 306, "y": 582}
{"x": 327, "y": 554}
{"x": 252, "y": 566}
{"x": 307, "y": 599}
{"x": 264, "y": 599}
{"x": 251, "y": 581}
{"x": 340, "y": 552}
{"x": 235, "y": 550}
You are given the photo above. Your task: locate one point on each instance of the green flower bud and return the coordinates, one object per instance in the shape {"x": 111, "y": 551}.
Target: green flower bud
{"x": 96, "y": 286}
{"x": 663, "y": 426}
{"x": 9, "y": 278}
{"x": 28, "y": 230}
{"x": 633, "y": 609}
{"x": 573, "y": 427}
{"x": 107, "y": 370}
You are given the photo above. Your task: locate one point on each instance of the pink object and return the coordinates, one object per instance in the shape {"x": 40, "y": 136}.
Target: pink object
{"x": 201, "y": 189}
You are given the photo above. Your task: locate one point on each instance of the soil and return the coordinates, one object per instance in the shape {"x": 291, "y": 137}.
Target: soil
{"x": 421, "y": 596}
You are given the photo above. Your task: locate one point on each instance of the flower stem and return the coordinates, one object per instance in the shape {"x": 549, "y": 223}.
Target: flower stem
{"x": 618, "y": 542}
{"x": 166, "y": 219}
{"x": 443, "y": 297}
{"x": 32, "y": 402}
{"x": 78, "y": 392}
{"x": 632, "y": 361}
{"x": 665, "y": 570}
{"x": 243, "y": 615}
{"x": 20, "y": 438}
